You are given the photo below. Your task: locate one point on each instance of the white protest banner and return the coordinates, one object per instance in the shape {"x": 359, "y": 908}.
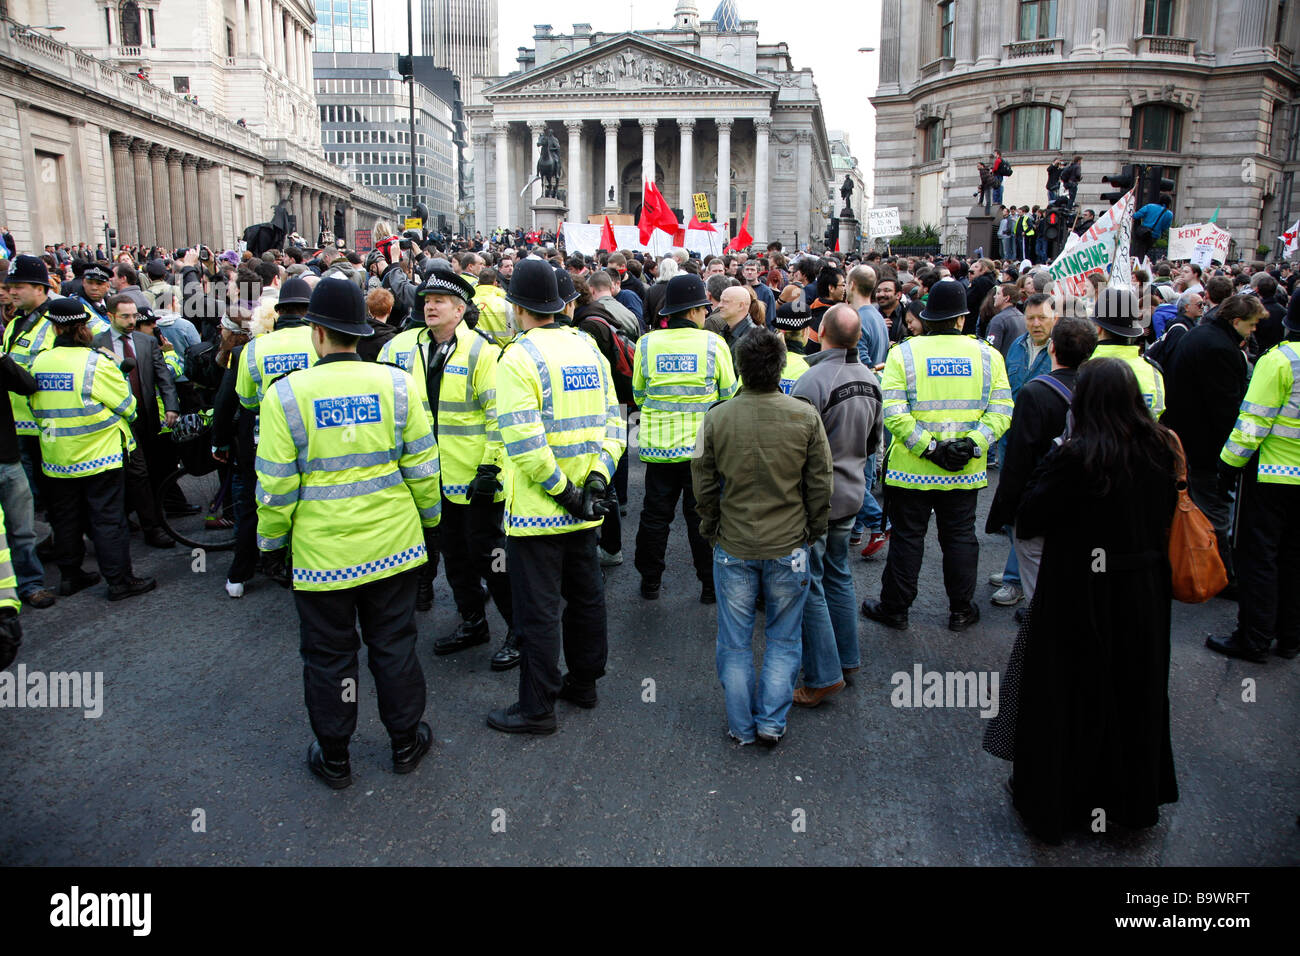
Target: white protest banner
{"x": 1183, "y": 241}
{"x": 883, "y": 223}
{"x": 1073, "y": 266}
{"x": 584, "y": 237}
{"x": 1107, "y": 222}
{"x": 1121, "y": 270}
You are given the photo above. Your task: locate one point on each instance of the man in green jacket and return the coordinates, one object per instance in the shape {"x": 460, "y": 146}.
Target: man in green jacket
{"x": 770, "y": 453}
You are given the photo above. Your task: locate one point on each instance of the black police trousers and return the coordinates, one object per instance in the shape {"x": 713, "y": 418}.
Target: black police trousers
{"x": 545, "y": 570}
{"x": 94, "y": 505}
{"x": 328, "y": 642}
{"x": 473, "y": 544}
{"x": 664, "y": 481}
{"x": 909, "y": 511}
{"x": 1267, "y": 557}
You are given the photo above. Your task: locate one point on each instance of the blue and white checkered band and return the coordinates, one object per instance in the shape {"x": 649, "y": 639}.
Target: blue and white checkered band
{"x": 435, "y": 284}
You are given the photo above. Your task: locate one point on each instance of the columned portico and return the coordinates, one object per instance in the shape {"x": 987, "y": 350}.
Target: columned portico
{"x": 611, "y": 162}
{"x": 724, "y": 173}
{"x": 577, "y": 204}
{"x": 758, "y": 225}
{"x": 648, "y": 125}
{"x": 504, "y": 218}
{"x": 686, "y": 164}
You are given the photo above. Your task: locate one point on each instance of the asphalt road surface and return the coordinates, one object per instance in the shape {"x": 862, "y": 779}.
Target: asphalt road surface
{"x": 198, "y": 756}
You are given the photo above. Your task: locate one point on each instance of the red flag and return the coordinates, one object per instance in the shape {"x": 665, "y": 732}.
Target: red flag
{"x": 837, "y": 243}
{"x": 607, "y": 241}
{"x": 667, "y": 219}
{"x": 743, "y": 239}
{"x": 649, "y": 212}
{"x": 696, "y": 224}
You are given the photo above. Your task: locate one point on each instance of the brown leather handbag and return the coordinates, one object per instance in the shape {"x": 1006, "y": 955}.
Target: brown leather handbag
{"x": 1198, "y": 572}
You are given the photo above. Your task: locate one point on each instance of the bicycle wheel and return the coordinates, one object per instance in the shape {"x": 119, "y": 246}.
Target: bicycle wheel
{"x": 212, "y": 526}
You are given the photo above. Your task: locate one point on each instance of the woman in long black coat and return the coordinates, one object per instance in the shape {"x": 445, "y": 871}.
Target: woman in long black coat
{"x": 1092, "y": 729}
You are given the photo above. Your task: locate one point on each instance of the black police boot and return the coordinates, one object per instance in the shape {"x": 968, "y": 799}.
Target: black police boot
{"x": 335, "y": 770}
{"x": 408, "y": 753}
{"x": 507, "y": 656}
{"x": 878, "y": 613}
{"x": 584, "y": 695}
{"x": 1232, "y": 645}
{"x": 131, "y": 587}
{"x": 72, "y": 580}
{"x": 960, "y": 620}
{"x": 510, "y": 721}
{"x": 424, "y": 595}
{"x": 649, "y": 589}
{"x": 470, "y": 632}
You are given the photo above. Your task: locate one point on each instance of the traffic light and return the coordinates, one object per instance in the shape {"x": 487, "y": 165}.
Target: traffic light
{"x": 1122, "y": 182}
{"x": 404, "y": 65}
{"x": 112, "y": 238}
{"x": 832, "y": 233}
{"x": 1154, "y": 186}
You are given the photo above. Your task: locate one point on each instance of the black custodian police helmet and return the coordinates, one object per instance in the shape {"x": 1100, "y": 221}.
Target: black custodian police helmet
{"x": 533, "y": 286}
{"x": 947, "y": 301}
{"x": 685, "y": 292}
{"x": 340, "y": 305}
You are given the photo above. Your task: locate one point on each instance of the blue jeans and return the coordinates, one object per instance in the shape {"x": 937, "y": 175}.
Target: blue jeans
{"x": 1008, "y": 246}
{"x": 869, "y": 518}
{"x": 997, "y": 190}
{"x": 1040, "y": 248}
{"x": 830, "y": 616}
{"x": 20, "y": 528}
{"x": 1011, "y": 573}
{"x": 762, "y": 705}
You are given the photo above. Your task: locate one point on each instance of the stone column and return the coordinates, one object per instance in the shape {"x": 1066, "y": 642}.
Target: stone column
{"x": 648, "y": 150}
{"x": 176, "y": 183}
{"x": 964, "y": 49}
{"x": 805, "y": 203}
{"x": 758, "y": 224}
{"x": 535, "y": 128}
{"x": 162, "y": 197}
{"x": 724, "y": 175}
{"x": 577, "y": 203}
{"x": 207, "y": 225}
{"x": 501, "y": 132}
{"x": 315, "y": 204}
{"x": 687, "y": 178}
{"x": 1251, "y": 32}
{"x": 611, "y": 163}
{"x": 295, "y": 203}
{"x": 268, "y": 31}
{"x": 147, "y": 235}
{"x": 190, "y": 174}
{"x": 480, "y": 141}
{"x": 1082, "y": 43}
{"x": 290, "y": 48}
{"x": 277, "y": 21}
{"x": 241, "y": 30}
{"x": 1121, "y": 25}
{"x": 891, "y": 19}
{"x": 127, "y": 224}
{"x": 989, "y": 52}
{"x": 254, "y": 27}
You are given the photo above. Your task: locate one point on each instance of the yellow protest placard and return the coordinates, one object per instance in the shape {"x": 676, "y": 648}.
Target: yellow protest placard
{"x": 702, "y": 207}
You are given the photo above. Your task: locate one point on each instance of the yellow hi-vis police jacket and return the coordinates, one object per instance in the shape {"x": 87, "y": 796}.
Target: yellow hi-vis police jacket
{"x": 560, "y": 421}
{"x": 266, "y": 357}
{"x": 1269, "y": 419}
{"x": 677, "y": 375}
{"x": 467, "y": 430}
{"x": 347, "y": 470}
{"x": 939, "y": 386}
{"x": 1150, "y": 380}
{"x": 83, "y": 406}
{"x": 8, "y": 581}
{"x": 25, "y": 338}
{"x": 493, "y": 313}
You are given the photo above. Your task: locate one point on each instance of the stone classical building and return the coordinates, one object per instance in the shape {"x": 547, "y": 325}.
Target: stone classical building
{"x": 1206, "y": 90}
{"x": 700, "y": 107}
{"x": 172, "y": 122}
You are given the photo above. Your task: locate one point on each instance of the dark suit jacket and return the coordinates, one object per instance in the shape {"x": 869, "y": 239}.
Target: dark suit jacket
{"x": 155, "y": 376}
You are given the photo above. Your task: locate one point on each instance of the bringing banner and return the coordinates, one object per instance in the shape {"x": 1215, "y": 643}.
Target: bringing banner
{"x": 1096, "y": 252}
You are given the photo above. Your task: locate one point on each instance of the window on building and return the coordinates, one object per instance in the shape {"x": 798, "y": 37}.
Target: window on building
{"x": 931, "y": 142}
{"x": 1158, "y": 18}
{"x": 947, "y": 11}
{"x": 130, "y": 32}
{"x": 108, "y": 26}
{"x": 153, "y": 33}
{"x": 230, "y": 39}
{"x": 1029, "y": 128}
{"x": 1158, "y": 128}
{"x": 1279, "y": 28}
{"x": 1037, "y": 19}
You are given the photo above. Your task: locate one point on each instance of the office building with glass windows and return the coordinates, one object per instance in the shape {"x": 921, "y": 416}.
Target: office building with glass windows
{"x": 1208, "y": 91}
{"x": 364, "y": 119}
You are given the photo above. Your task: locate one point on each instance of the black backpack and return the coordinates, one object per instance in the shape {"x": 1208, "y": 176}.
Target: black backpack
{"x": 201, "y": 365}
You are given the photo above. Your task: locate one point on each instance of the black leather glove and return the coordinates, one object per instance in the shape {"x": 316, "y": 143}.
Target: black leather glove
{"x": 1228, "y": 477}
{"x": 432, "y": 541}
{"x": 962, "y": 450}
{"x": 595, "y": 497}
{"x": 570, "y": 499}
{"x": 275, "y": 565}
{"x": 485, "y": 484}
{"x": 11, "y": 636}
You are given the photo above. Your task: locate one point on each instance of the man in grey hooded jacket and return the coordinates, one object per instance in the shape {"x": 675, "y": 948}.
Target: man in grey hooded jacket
{"x": 847, "y": 396}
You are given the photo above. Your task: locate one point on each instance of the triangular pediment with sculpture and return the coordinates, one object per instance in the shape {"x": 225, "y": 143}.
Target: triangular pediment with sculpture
{"x": 629, "y": 63}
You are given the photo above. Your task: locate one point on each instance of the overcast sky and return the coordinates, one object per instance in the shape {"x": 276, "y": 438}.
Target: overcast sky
{"x": 823, "y": 38}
